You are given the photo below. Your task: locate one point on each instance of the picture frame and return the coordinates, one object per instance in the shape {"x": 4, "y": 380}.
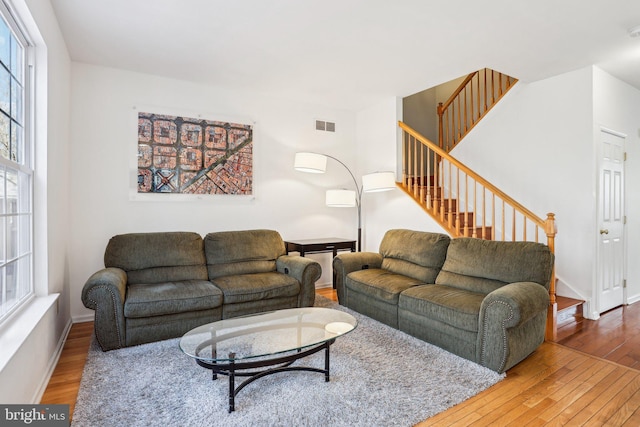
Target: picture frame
{"x": 192, "y": 155}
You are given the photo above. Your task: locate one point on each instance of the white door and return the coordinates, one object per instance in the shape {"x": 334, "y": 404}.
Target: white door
{"x": 611, "y": 219}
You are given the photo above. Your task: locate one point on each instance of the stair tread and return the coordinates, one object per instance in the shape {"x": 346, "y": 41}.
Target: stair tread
{"x": 566, "y": 302}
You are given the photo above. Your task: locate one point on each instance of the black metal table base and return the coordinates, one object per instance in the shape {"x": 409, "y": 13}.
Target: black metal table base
{"x": 235, "y": 369}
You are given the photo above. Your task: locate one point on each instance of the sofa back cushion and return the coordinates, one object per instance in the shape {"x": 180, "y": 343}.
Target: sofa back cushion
{"x": 416, "y": 254}
{"x": 242, "y": 252}
{"x": 157, "y": 257}
{"x": 482, "y": 265}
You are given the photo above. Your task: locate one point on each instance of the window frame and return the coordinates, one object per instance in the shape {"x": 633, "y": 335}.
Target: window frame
{"x": 24, "y": 167}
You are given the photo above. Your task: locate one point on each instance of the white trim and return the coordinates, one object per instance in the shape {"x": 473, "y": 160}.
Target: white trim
{"x": 589, "y": 311}
{"x": 83, "y": 318}
{"x": 596, "y": 306}
{"x": 53, "y": 362}
{"x": 17, "y": 330}
{"x": 632, "y": 300}
{"x": 25, "y": 164}
{"x": 613, "y": 132}
{"x": 10, "y": 8}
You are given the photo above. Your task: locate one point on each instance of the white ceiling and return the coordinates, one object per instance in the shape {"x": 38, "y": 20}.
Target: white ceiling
{"x": 349, "y": 53}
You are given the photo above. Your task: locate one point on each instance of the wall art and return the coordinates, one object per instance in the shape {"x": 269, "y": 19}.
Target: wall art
{"x": 182, "y": 155}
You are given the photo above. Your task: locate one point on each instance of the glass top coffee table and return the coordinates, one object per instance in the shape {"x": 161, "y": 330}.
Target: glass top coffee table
{"x": 263, "y": 344}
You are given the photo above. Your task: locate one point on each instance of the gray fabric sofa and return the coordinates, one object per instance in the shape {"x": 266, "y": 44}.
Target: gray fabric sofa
{"x": 157, "y": 286}
{"x": 483, "y": 300}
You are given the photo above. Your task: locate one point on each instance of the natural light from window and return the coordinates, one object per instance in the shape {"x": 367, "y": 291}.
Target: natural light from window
{"x": 16, "y": 213}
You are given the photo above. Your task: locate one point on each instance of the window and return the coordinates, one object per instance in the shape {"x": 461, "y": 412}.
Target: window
{"x": 16, "y": 170}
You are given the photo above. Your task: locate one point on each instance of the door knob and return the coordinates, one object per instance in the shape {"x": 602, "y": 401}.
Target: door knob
{"x": 604, "y": 231}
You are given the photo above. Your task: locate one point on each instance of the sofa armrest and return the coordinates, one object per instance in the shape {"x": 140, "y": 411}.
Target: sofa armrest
{"x": 105, "y": 292}
{"x": 512, "y": 324}
{"x": 346, "y": 262}
{"x": 306, "y": 271}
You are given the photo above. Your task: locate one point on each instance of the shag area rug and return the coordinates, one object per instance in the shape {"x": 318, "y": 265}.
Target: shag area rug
{"x": 379, "y": 377}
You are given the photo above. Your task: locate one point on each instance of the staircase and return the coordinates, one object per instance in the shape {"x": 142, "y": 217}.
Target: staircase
{"x": 478, "y": 93}
{"x": 570, "y": 317}
{"x": 463, "y": 202}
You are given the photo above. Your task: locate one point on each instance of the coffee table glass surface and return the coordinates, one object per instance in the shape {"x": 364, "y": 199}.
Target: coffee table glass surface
{"x": 265, "y": 334}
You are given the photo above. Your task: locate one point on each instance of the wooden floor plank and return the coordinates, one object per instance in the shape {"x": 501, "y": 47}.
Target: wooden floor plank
{"x": 547, "y": 362}
{"x": 605, "y": 399}
{"x": 573, "y": 391}
{"x": 544, "y": 411}
{"x": 633, "y": 420}
{"x": 628, "y": 409}
{"x": 618, "y": 400}
{"x": 588, "y": 398}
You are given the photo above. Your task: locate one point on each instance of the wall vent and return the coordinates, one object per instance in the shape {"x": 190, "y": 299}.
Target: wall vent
{"x": 325, "y": 126}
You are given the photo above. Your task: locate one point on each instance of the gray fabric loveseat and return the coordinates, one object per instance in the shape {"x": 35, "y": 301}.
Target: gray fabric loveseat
{"x": 483, "y": 300}
{"x": 157, "y": 286}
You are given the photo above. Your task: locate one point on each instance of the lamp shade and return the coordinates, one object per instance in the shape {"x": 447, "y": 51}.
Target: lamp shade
{"x": 310, "y": 162}
{"x": 341, "y": 198}
{"x": 378, "y": 181}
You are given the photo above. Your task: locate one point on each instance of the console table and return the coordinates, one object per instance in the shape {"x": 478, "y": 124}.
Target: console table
{"x": 314, "y": 246}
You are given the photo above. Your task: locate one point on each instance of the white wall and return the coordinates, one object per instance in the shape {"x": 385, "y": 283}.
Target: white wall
{"x": 379, "y": 150}
{"x": 103, "y": 156}
{"x": 32, "y": 340}
{"x": 544, "y": 132}
{"x": 53, "y": 162}
{"x": 617, "y": 107}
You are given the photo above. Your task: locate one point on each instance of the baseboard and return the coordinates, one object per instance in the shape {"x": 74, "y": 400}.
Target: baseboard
{"x": 83, "y": 318}
{"x": 566, "y": 290}
{"x": 324, "y": 285}
{"x": 632, "y": 300}
{"x": 53, "y": 362}
{"x": 589, "y": 312}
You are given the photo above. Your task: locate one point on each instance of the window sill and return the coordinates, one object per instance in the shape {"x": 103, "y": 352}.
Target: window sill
{"x": 17, "y": 329}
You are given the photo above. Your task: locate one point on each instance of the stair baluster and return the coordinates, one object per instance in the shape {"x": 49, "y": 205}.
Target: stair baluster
{"x": 443, "y": 188}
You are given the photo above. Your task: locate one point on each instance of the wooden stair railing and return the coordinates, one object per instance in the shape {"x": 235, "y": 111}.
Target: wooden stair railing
{"x": 466, "y": 204}
{"x": 475, "y": 96}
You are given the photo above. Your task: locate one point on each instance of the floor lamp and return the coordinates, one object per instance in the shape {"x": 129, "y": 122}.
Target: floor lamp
{"x": 373, "y": 182}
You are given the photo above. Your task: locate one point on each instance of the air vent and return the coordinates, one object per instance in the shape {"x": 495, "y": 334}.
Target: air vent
{"x": 325, "y": 126}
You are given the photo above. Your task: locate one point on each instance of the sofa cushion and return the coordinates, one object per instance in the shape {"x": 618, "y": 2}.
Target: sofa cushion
{"x": 258, "y": 286}
{"x": 417, "y": 254}
{"x": 380, "y": 284}
{"x": 242, "y": 252}
{"x": 157, "y": 257}
{"x": 144, "y": 300}
{"x": 482, "y": 265}
{"x": 452, "y": 306}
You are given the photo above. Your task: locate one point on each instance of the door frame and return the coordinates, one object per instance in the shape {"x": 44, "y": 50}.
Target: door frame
{"x": 595, "y": 291}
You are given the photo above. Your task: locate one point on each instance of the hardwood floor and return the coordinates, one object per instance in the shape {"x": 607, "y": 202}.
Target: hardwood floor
{"x": 65, "y": 380}
{"x": 615, "y": 336}
{"x": 559, "y": 384}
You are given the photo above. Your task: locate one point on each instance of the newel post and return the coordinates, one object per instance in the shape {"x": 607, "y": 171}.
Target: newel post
{"x": 552, "y": 313}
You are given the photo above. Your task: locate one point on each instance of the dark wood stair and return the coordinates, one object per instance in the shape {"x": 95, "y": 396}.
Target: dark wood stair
{"x": 430, "y": 195}
{"x": 570, "y": 317}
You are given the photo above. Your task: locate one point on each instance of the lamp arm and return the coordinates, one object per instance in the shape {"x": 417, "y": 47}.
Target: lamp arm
{"x": 355, "y": 181}
{"x": 358, "y": 200}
